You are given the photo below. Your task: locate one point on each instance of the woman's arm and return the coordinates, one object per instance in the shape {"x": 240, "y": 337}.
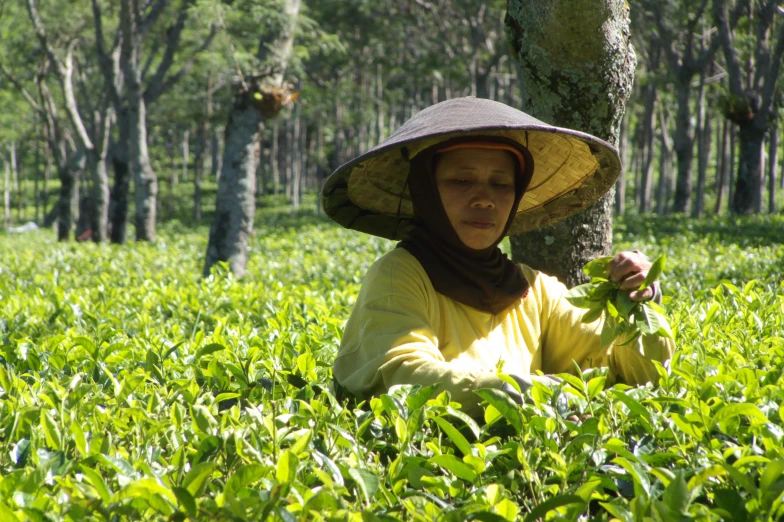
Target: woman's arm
{"x": 566, "y": 340}
{"x": 390, "y": 339}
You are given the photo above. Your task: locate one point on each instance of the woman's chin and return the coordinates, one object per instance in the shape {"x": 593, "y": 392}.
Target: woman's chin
{"x": 478, "y": 243}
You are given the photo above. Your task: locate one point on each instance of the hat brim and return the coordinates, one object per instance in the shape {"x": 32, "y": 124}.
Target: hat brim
{"x": 571, "y": 169}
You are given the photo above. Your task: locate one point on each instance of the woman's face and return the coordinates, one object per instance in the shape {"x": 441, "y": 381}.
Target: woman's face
{"x": 477, "y": 191}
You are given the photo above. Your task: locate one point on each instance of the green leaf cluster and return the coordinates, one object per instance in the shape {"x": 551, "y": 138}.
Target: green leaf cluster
{"x": 133, "y": 389}
{"x": 623, "y": 318}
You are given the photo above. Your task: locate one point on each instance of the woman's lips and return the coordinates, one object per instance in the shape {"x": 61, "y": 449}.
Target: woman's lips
{"x": 484, "y": 225}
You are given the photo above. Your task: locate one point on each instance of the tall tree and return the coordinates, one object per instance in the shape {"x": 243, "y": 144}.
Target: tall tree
{"x": 144, "y": 178}
{"x": 752, "y": 91}
{"x": 577, "y": 64}
{"x": 687, "y": 55}
{"x": 257, "y": 97}
{"x": 136, "y": 85}
{"x": 93, "y": 139}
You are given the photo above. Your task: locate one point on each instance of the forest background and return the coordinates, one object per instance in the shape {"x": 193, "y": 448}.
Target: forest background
{"x": 71, "y": 88}
{"x": 134, "y": 388}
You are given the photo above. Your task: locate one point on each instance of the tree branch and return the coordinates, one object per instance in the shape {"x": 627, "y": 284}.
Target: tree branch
{"x": 156, "y": 45}
{"x": 11, "y": 78}
{"x": 442, "y": 28}
{"x": 668, "y": 42}
{"x": 70, "y": 99}
{"x": 64, "y": 72}
{"x": 56, "y": 142}
{"x": 111, "y": 80}
{"x": 155, "y": 12}
{"x": 41, "y": 34}
{"x": 725, "y": 39}
{"x": 774, "y": 72}
{"x": 161, "y": 87}
{"x": 707, "y": 54}
{"x": 174, "y": 33}
{"x": 762, "y": 53}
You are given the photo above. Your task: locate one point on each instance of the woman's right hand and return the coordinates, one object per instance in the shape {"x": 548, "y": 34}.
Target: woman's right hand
{"x": 525, "y": 382}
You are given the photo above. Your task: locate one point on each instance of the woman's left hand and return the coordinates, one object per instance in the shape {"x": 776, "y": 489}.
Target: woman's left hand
{"x": 631, "y": 268}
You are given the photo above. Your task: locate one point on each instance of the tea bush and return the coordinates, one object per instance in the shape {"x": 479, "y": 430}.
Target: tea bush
{"x": 133, "y": 389}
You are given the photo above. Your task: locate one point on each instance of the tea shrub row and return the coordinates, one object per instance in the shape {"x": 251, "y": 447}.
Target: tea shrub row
{"x": 132, "y": 389}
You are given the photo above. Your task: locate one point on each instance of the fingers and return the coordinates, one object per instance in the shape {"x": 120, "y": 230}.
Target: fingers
{"x": 644, "y": 295}
{"x": 628, "y": 264}
{"x": 633, "y": 282}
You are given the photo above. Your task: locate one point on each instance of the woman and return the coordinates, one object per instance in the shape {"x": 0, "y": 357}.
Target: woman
{"x": 446, "y": 306}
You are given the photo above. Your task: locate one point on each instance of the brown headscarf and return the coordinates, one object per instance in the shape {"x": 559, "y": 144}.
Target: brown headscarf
{"x": 482, "y": 279}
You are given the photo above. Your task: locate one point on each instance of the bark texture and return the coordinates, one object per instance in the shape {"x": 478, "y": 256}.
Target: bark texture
{"x": 68, "y": 202}
{"x": 577, "y": 68}
{"x": 773, "y": 148}
{"x": 254, "y": 102}
{"x": 145, "y": 180}
{"x": 235, "y": 206}
{"x": 646, "y": 172}
{"x": 122, "y": 181}
{"x": 683, "y": 141}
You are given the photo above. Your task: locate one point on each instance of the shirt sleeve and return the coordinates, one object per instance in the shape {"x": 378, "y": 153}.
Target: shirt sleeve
{"x": 566, "y": 341}
{"x": 390, "y": 340}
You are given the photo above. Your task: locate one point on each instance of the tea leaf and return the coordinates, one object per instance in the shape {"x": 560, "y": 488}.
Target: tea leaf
{"x": 657, "y": 267}
{"x": 551, "y": 504}
{"x": 504, "y": 404}
{"x": 455, "y": 466}
{"x": 366, "y": 480}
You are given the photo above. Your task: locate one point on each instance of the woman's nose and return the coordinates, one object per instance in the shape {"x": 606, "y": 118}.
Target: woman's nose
{"x": 482, "y": 197}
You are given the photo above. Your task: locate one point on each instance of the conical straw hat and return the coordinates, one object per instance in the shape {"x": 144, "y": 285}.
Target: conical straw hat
{"x": 571, "y": 169}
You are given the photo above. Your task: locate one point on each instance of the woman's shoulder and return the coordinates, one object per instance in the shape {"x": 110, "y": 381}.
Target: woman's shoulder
{"x": 397, "y": 273}
{"x": 541, "y": 283}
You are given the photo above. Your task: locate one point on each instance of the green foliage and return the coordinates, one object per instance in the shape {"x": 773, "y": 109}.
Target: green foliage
{"x": 131, "y": 389}
{"x": 622, "y": 316}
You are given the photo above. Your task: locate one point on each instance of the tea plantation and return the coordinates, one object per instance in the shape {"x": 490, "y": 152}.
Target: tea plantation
{"x": 133, "y": 389}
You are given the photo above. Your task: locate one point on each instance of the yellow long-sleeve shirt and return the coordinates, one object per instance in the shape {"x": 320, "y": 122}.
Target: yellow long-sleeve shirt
{"x": 402, "y": 331}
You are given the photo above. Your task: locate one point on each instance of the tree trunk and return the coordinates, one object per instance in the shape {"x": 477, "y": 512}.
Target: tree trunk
{"x": 703, "y": 148}
{"x": 719, "y": 147}
{"x": 199, "y": 160}
{"x": 781, "y": 177}
{"x": 584, "y": 49}
{"x": 772, "y": 166}
{"x": 747, "y": 198}
{"x": 173, "y": 176}
{"x": 216, "y": 165}
{"x": 753, "y": 94}
{"x": 274, "y": 159}
{"x": 68, "y": 203}
{"x": 724, "y": 170}
{"x": 664, "y": 165}
{"x": 122, "y": 179}
{"x": 7, "y": 195}
{"x": 38, "y": 172}
{"x": 235, "y": 205}
{"x": 683, "y": 140}
{"x": 646, "y": 174}
{"x": 101, "y": 196}
{"x": 47, "y": 172}
{"x": 15, "y": 177}
{"x": 295, "y": 155}
{"x": 623, "y": 150}
{"x": 287, "y": 154}
{"x": 186, "y": 153}
{"x": 336, "y": 158}
{"x": 731, "y": 165}
{"x": 145, "y": 180}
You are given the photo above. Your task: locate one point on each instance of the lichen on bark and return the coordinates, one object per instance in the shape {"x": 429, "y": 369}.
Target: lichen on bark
{"x": 577, "y": 68}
